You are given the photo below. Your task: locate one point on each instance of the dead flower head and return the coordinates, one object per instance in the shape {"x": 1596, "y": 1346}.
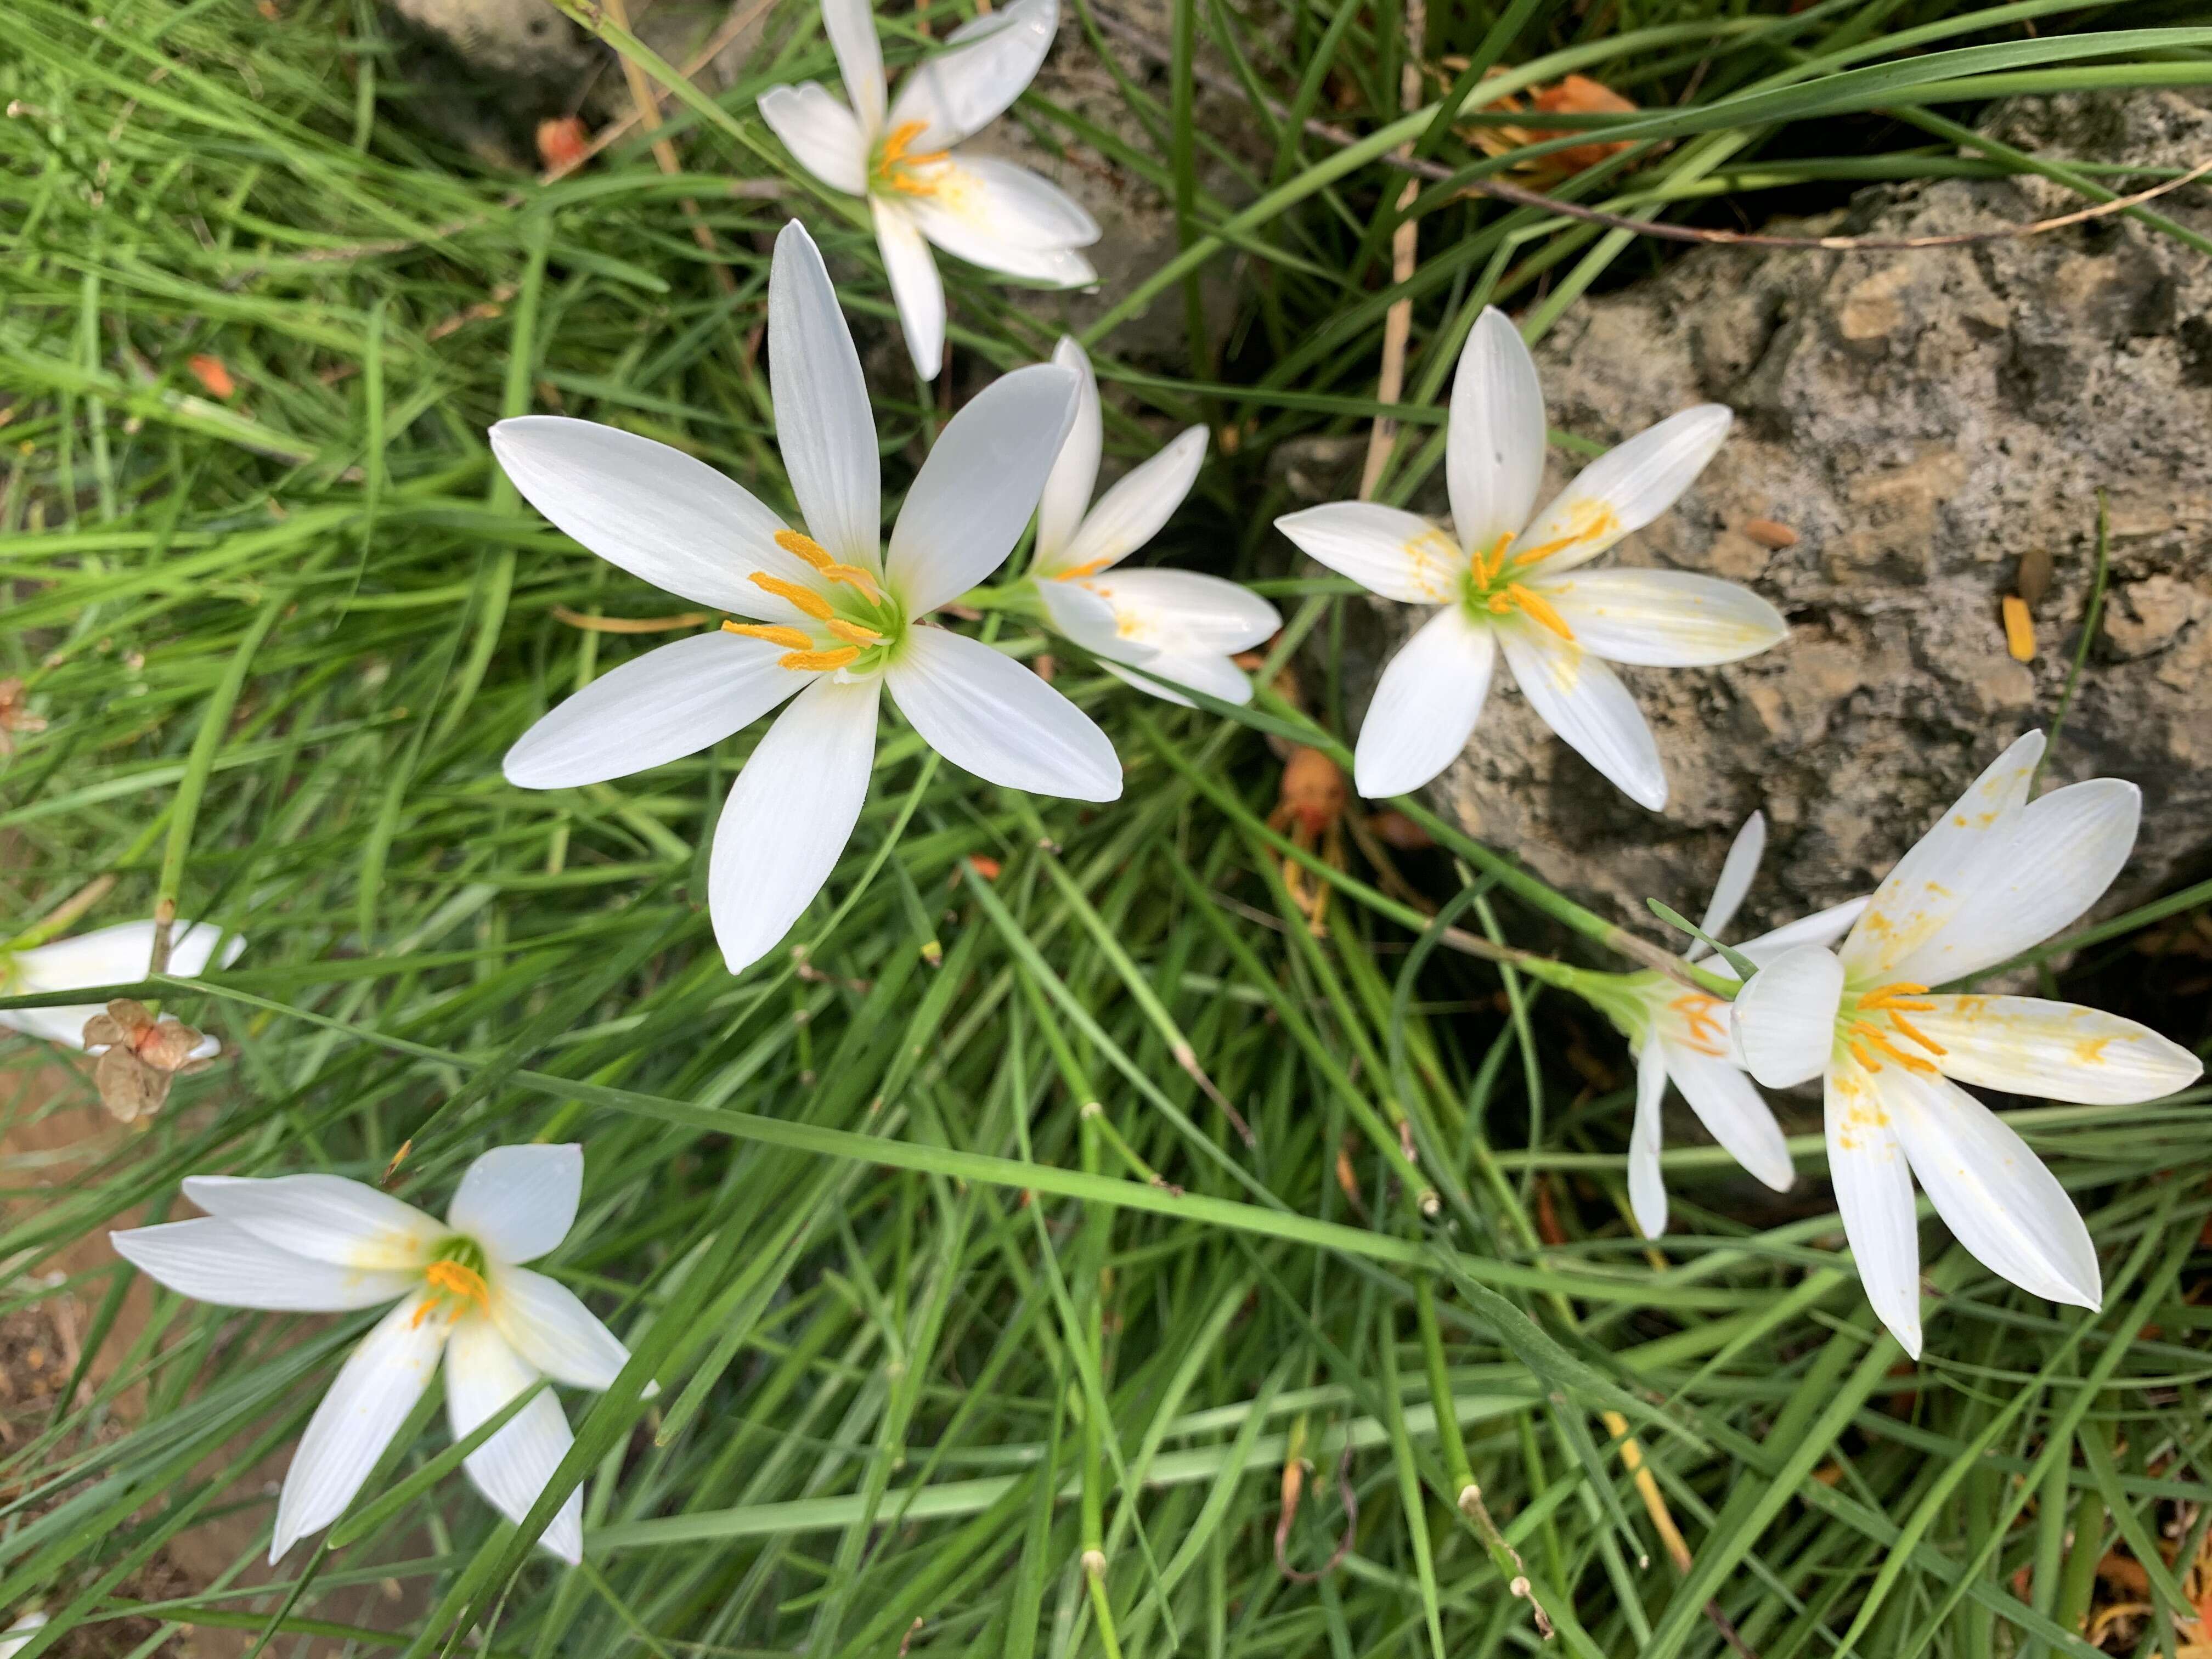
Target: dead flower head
{"x": 141, "y": 1056}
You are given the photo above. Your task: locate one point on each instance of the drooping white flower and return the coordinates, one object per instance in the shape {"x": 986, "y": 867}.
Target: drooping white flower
{"x": 1682, "y": 1036}
{"x": 835, "y": 619}
{"x": 1997, "y": 874}
{"x": 919, "y": 187}
{"x": 121, "y": 955}
{"x": 319, "y": 1243}
{"x": 1505, "y": 581}
{"x": 1176, "y": 624}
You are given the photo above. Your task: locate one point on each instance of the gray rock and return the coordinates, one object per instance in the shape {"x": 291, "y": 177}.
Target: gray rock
{"x": 1921, "y": 421}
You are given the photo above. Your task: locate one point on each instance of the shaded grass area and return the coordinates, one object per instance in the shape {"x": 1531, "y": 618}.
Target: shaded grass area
{"x": 951, "y": 1266}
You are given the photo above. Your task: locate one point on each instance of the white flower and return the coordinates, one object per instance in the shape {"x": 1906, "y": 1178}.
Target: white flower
{"x": 17, "y": 1636}
{"x": 319, "y": 1243}
{"x": 1505, "y": 581}
{"x": 121, "y": 955}
{"x": 1683, "y": 1036}
{"x": 837, "y": 620}
{"x": 919, "y": 188}
{"x": 1997, "y": 875}
{"x": 1176, "y": 624}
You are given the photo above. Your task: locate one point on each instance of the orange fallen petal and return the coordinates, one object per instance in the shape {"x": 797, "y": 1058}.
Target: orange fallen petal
{"x": 210, "y": 373}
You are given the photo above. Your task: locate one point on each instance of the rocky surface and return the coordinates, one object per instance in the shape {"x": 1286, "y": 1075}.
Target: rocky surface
{"x": 1922, "y": 421}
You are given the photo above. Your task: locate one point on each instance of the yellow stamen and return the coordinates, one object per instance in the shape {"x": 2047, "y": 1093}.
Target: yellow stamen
{"x": 462, "y": 1284}
{"x": 852, "y": 633}
{"x": 1860, "y": 1055}
{"x": 818, "y": 660}
{"x": 1540, "y": 610}
{"x": 1697, "y": 1013}
{"x": 853, "y": 576}
{"x": 1488, "y": 567}
{"x": 1088, "y": 568}
{"x": 1919, "y": 1036}
{"x": 893, "y": 163}
{"x": 1875, "y": 1039}
{"x": 791, "y": 639}
{"x": 805, "y": 598}
{"x": 804, "y": 547}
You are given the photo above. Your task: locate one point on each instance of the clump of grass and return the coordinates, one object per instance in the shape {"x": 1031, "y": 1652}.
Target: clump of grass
{"x": 981, "y": 1326}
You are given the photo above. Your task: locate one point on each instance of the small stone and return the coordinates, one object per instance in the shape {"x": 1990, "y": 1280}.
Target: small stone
{"x": 1769, "y": 532}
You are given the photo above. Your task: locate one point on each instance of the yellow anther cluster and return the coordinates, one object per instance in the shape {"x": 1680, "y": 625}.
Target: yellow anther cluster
{"x": 1865, "y": 1036}
{"x": 895, "y": 166}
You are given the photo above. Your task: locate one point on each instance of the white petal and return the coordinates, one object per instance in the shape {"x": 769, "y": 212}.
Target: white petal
{"x": 824, "y": 427}
{"x": 1736, "y": 873}
{"x": 1784, "y": 1021}
{"x": 2057, "y": 1050}
{"x": 1387, "y": 550}
{"x": 191, "y": 946}
{"x": 1874, "y": 1193}
{"x": 63, "y": 1024}
{"x": 668, "y": 703}
{"x": 1920, "y": 894}
{"x": 822, "y": 133}
{"x": 1075, "y": 471}
{"x": 917, "y": 288}
{"x": 210, "y": 1260}
{"x": 979, "y": 485}
{"x": 1131, "y": 513}
{"x": 649, "y": 509}
{"x": 978, "y": 207}
{"x": 1055, "y": 267}
{"x": 1425, "y": 705}
{"x": 1626, "y": 488}
{"x": 989, "y": 714}
{"x": 1823, "y": 928}
{"x": 326, "y": 1217}
{"x": 789, "y": 816}
{"x": 482, "y": 1373}
{"x": 1079, "y": 611}
{"x": 851, "y": 26}
{"x": 1733, "y": 1113}
{"x": 17, "y": 1636}
{"x": 554, "y": 1331}
{"x": 368, "y": 1401}
{"x": 1994, "y": 1194}
{"x": 1182, "y": 612}
{"x": 1217, "y": 676}
{"x": 520, "y": 1201}
{"x": 1494, "y": 443}
{"x": 119, "y": 955}
{"x": 1663, "y": 618}
{"x": 1585, "y": 704}
{"x": 984, "y": 66}
{"x": 1647, "y": 1187}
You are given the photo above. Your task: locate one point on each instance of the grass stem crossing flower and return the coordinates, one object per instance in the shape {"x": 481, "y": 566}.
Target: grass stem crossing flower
{"x": 120, "y": 955}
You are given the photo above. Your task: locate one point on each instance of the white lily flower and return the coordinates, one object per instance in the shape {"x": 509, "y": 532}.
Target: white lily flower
{"x": 835, "y": 620}
{"x": 1997, "y": 875}
{"x": 1506, "y": 581}
{"x": 121, "y": 955}
{"x": 1177, "y": 624}
{"x": 919, "y": 187}
{"x": 1683, "y": 1036}
{"x": 319, "y": 1243}
{"x": 17, "y": 1636}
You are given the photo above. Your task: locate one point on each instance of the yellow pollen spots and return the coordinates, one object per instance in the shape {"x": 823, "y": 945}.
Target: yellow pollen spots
{"x": 804, "y": 547}
{"x": 819, "y": 661}
{"x": 805, "y": 598}
{"x": 2090, "y": 1051}
{"x": 894, "y": 165}
{"x": 853, "y": 633}
{"x": 791, "y": 639}
{"x": 1697, "y": 1013}
{"x": 1088, "y": 568}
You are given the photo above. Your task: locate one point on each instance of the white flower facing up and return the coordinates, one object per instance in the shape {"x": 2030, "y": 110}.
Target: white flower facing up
{"x": 920, "y": 188}
{"x": 1998, "y": 873}
{"x": 833, "y": 619}
{"x": 120, "y": 955}
{"x": 1682, "y": 1036}
{"x": 319, "y": 1243}
{"x": 1505, "y": 581}
{"x": 1178, "y": 624}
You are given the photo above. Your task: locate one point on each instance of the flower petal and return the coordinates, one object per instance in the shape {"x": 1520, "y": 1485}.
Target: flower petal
{"x": 1736, "y": 873}
{"x": 325, "y": 1218}
{"x": 1425, "y": 705}
{"x": 119, "y": 955}
{"x": 648, "y": 509}
{"x": 1874, "y": 1193}
{"x": 989, "y": 714}
{"x": 368, "y": 1401}
{"x": 1005, "y": 218}
{"x": 1494, "y": 442}
{"x": 1386, "y": 549}
{"x": 1585, "y": 704}
{"x": 1131, "y": 512}
{"x": 1647, "y": 1187}
{"x": 668, "y": 703}
{"x": 851, "y": 26}
{"x": 211, "y": 1261}
{"x": 1183, "y": 611}
{"x": 1920, "y": 894}
{"x": 789, "y": 816}
{"x": 1823, "y": 928}
{"x": 551, "y": 1329}
{"x": 979, "y": 485}
{"x": 482, "y": 1373}
{"x": 520, "y": 1201}
{"x": 1995, "y": 1195}
{"x": 2056, "y": 1050}
{"x": 1733, "y": 1113}
{"x": 1663, "y": 618}
{"x": 985, "y": 65}
{"x": 824, "y": 427}
{"x": 1626, "y": 488}
{"x": 822, "y": 133}
{"x": 1217, "y": 676}
{"x": 917, "y": 290}
{"x": 1074, "y": 472}
{"x": 1784, "y": 1021}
